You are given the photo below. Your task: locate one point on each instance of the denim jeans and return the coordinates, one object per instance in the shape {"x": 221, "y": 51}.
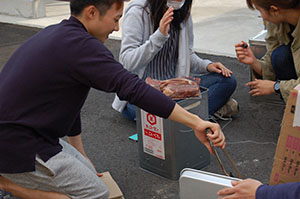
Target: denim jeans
{"x": 220, "y": 89}
{"x": 283, "y": 63}
{"x": 129, "y": 112}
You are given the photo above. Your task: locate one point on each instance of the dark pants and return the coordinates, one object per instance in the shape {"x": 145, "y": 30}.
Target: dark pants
{"x": 220, "y": 89}
{"x": 283, "y": 63}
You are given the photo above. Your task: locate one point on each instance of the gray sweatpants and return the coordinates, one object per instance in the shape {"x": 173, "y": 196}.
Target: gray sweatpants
{"x": 68, "y": 172}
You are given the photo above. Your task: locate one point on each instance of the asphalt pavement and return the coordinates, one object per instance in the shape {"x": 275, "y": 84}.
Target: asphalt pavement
{"x": 251, "y": 135}
{"x": 218, "y": 25}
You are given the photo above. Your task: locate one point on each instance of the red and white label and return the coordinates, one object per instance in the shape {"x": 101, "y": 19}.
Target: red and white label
{"x": 153, "y": 137}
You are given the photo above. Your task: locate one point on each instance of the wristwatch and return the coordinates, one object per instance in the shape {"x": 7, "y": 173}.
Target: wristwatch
{"x": 277, "y": 86}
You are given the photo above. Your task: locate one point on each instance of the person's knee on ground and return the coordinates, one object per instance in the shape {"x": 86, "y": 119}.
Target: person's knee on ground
{"x": 283, "y": 63}
{"x": 227, "y": 84}
{"x": 220, "y": 89}
{"x": 129, "y": 112}
{"x": 230, "y": 82}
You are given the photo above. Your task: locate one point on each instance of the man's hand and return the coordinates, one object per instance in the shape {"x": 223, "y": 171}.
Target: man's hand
{"x": 164, "y": 24}
{"x": 245, "y": 189}
{"x": 97, "y": 173}
{"x": 261, "y": 87}
{"x": 200, "y": 127}
{"x": 215, "y": 135}
{"x": 219, "y": 68}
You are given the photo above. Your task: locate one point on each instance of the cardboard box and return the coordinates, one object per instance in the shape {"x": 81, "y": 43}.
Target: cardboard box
{"x": 115, "y": 192}
{"x": 286, "y": 165}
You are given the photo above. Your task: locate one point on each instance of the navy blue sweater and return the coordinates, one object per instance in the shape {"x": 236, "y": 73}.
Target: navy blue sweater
{"x": 44, "y": 85}
{"x": 281, "y": 191}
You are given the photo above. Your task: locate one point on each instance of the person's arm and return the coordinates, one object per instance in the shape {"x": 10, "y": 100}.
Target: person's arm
{"x": 286, "y": 191}
{"x": 104, "y": 73}
{"x": 262, "y": 67}
{"x": 286, "y": 86}
{"x": 200, "y": 127}
{"x": 74, "y": 139}
{"x": 76, "y": 142}
{"x": 135, "y": 53}
{"x": 266, "y": 87}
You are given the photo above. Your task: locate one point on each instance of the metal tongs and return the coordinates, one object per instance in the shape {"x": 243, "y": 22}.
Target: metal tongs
{"x": 215, "y": 152}
{"x": 231, "y": 162}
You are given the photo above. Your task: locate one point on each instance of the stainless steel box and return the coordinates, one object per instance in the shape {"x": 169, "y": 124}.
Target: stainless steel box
{"x": 258, "y": 44}
{"x": 166, "y": 147}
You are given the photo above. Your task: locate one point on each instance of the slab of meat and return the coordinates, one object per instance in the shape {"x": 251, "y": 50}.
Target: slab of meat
{"x": 177, "y": 88}
{"x": 153, "y": 82}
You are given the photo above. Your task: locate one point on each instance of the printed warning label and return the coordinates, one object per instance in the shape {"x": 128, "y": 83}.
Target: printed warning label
{"x": 153, "y": 139}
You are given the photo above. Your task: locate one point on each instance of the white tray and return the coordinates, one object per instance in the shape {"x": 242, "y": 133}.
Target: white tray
{"x": 196, "y": 184}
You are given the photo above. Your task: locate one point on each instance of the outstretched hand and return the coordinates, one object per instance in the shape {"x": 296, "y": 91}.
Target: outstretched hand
{"x": 261, "y": 87}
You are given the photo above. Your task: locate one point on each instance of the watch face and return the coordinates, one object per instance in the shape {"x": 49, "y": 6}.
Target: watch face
{"x": 277, "y": 86}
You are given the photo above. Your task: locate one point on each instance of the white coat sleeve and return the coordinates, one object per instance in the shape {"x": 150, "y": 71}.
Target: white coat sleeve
{"x": 136, "y": 51}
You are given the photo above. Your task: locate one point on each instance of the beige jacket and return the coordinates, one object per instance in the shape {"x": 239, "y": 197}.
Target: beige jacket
{"x": 276, "y": 36}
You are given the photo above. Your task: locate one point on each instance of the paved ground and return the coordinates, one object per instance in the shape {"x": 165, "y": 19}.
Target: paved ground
{"x": 218, "y": 24}
{"x": 251, "y": 136}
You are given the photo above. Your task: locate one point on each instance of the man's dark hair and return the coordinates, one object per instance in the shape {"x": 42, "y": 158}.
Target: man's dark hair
{"x": 266, "y": 4}
{"x": 158, "y": 9}
{"x": 77, "y": 6}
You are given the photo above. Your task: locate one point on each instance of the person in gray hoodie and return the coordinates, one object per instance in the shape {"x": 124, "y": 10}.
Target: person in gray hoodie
{"x": 157, "y": 42}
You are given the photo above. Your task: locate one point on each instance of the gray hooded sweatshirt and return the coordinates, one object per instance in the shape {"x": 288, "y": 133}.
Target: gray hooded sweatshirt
{"x": 140, "y": 44}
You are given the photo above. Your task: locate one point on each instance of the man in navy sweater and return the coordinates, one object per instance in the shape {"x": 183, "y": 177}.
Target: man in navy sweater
{"x": 43, "y": 87}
